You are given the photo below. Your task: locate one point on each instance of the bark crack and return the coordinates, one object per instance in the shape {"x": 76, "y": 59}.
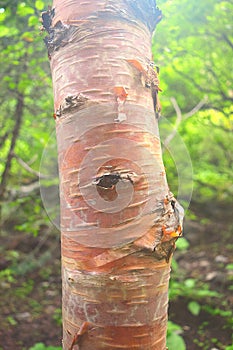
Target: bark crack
{"x": 71, "y": 102}
{"x": 109, "y": 180}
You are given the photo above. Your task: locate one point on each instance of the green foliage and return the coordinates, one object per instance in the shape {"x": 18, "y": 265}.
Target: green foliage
{"x": 193, "y": 46}
{"x": 182, "y": 244}
{"x": 227, "y": 314}
{"x": 229, "y": 266}
{"x": 207, "y": 343}
{"x": 25, "y": 289}
{"x": 197, "y": 294}
{"x": 190, "y": 288}
{"x": 7, "y": 275}
{"x": 25, "y": 76}
{"x": 11, "y": 321}
{"x": 41, "y": 346}
{"x": 32, "y": 217}
{"x": 194, "y": 308}
{"x": 57, "y": 316}
{"x": 174, "y": 338}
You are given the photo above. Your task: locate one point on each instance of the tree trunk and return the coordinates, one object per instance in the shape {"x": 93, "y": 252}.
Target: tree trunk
{"x": 119, "y": 222}
{"x": 15, "y": 133}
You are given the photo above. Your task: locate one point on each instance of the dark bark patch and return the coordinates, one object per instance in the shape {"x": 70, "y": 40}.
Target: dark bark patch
{"x": 145, "y": 11}
{"x": 107, "y": 181}
{"x": 164, "y": 250}
{"x": 77, "y": 101}
{"x": 106, "y": 184}
{"x": 58, "y": 34}
{"x": 134, "y": 11}
{"x": 47, "y": 18}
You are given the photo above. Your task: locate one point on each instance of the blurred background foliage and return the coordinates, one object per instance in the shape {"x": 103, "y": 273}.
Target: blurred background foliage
{"x": 193, "y": 47}
{"x": 26, "y": 106}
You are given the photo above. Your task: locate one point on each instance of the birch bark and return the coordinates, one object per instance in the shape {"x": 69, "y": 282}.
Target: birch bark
{"x": 119, "y": 222}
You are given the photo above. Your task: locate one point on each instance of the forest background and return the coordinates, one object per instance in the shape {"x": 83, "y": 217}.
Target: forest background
{"x": 193, "y": 46}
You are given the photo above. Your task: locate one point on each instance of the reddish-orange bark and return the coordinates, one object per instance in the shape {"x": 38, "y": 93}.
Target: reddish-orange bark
{"x": 118, "y": 218}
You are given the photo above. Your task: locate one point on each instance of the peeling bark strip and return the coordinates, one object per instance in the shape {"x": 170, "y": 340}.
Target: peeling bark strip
{"x": 150, "y": 80}
{"x": 119, "y": 221}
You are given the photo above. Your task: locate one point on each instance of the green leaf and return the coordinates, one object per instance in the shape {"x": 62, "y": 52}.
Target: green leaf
{"x": 33, "y": 21}
{"x": 172, "y": 327}
{"x": 12, "y": 85}
{"x": 194, "y": 308}
{"x": 11, "y": 321}
{"x": 4, "y": 31}
{"x": 190, "y": 282}
{"x": 41, "y": 346}
{"x": 182, "y": 244}
{"x": 175, "y": 342}
{"x": 207, "y": 293}
{"x": 39, "y": 5}
{"x": 24, "y": 10}
{"x": 229, "y": 267}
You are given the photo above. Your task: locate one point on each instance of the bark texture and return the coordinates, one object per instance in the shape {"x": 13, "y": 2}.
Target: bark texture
{"x": 119, "y": 222}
